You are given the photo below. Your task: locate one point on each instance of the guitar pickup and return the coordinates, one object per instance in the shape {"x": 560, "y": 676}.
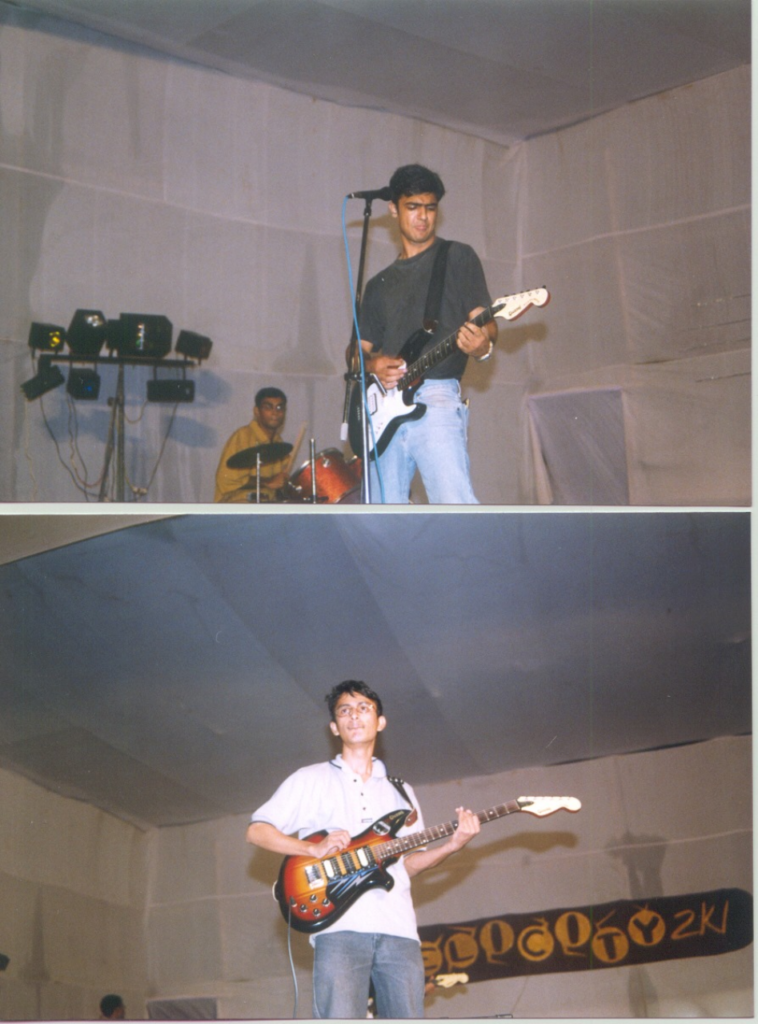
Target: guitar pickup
{"x": 313, "y": 876}
{"x": 348, "y": 863}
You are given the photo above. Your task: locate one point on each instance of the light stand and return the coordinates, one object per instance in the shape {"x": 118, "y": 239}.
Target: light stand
{"x": 135, "y": 339}
{"x": 116, "y": 432}
{"x": 115, "y": 429}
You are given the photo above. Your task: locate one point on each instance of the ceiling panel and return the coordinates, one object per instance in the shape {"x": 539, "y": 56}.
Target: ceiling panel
{"x": 503, "y": 70}
{"x": 175, "y": 671}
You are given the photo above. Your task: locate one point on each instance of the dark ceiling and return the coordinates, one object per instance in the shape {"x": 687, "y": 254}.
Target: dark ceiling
{"x": 174, "y": 671}
{"x": 502, "y": 70}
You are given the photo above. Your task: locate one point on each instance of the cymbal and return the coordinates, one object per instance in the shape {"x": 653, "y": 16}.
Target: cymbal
{"x": 248, "y": 457}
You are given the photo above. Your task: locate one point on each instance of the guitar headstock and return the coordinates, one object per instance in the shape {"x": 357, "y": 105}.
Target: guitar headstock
{"x": 544, "y": 805}
{"x": 448, "y": 980}
{"x": 511, "y": 306}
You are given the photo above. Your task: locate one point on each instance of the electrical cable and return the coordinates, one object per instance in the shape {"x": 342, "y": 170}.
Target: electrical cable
{"x": 62, "y": 461}
{"x": 360, "y": 353}
{"x": 158, "y": 460}
{"x": 137, "y": 418}
{"x": 81, "y": 485}
{"x": 292, "y": 962}
{"x": 75, "y": 452}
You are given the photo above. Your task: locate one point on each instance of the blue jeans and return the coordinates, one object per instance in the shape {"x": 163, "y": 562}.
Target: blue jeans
{"x": 435, "y": 445}
{"x": 344, "y": 964}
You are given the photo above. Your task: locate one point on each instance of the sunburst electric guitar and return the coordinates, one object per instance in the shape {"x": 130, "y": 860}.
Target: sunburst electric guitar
{"x": 388, "y": 408}
{"x": 312, "y": 894}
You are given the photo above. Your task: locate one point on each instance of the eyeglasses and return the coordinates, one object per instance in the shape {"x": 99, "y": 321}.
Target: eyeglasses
{"x": 348, "y": 710}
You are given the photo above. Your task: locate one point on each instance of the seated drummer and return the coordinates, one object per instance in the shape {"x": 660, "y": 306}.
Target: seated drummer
{"x": 240, "y": 484}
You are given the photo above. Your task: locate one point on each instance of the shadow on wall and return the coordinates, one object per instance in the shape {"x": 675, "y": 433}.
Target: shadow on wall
{"x": 305, "y": 352}
{"x": 433, "y": 886}
{"x": 642, "y": 856}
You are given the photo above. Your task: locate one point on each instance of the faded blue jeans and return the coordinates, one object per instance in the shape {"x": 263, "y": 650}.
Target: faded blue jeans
{"x": 435, "y": 444}
{"x": 344, "y": 964}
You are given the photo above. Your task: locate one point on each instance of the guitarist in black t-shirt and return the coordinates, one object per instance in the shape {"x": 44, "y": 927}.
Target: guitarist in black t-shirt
{"x": 431, "y": 435}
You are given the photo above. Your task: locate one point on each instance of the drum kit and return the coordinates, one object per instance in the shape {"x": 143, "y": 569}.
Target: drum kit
{"x": 325, "y": 478}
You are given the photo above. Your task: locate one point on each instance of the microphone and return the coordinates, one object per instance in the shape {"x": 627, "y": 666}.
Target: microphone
{"x": 378, "y": 193}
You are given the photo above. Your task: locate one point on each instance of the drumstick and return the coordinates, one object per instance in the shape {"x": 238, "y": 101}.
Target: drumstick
{"x": 291, "y": 457}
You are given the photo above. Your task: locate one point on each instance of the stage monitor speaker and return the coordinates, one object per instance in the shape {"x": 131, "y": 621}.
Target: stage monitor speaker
{"x": 83, "y": 384}
{"x": 144, "y": 334}
{"x": 87, "y": 332}
{"x": 171, "y": 391}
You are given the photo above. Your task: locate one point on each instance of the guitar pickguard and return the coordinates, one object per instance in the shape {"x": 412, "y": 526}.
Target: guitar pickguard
{"x": 387, "y": 409}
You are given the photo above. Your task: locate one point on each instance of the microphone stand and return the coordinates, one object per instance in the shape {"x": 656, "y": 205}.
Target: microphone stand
{"x": 353, "y": 375}
{"x": 314, "y": 491}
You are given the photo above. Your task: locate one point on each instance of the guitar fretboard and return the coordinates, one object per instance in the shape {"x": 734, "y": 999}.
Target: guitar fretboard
{"x": 441, "y": 351}
{"x": 394, "y": 847}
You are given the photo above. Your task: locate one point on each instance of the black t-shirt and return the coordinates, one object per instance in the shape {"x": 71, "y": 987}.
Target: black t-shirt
{"x": 394, "y": 301}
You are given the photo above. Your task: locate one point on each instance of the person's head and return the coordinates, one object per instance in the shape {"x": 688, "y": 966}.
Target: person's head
{"x": 416, "y": 193}
{"x": 112, "y": 1008}
{"x": 270, "y": 409}
{"x": 354, "y": 700}
{"x": 415, "y": 180}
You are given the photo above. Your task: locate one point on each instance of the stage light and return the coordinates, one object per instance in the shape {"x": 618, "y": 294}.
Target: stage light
{"x": 87, "y": 332}
{"x": 144, "y": 334}
{"x": 83, "y": 384}
{"x": 46, "y": 378}
{"x": 172, "y": 391}
{"x": 48, "y": 337}
{"x": 194, "y": 346}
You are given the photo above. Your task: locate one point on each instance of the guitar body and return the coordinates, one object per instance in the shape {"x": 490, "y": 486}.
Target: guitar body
{"x": 312, "y": 894}
{"x": 387, "y": 409}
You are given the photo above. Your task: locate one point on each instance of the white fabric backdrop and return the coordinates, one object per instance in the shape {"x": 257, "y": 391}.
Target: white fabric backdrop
{"x": 131, "y": 183}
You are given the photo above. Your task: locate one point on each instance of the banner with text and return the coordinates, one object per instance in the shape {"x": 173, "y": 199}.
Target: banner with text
{"x": 617, "y": 934}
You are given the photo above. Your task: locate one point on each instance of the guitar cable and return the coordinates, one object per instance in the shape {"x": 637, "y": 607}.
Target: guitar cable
{"x": 292, "y": 962}
{"x": 364, "y": 403}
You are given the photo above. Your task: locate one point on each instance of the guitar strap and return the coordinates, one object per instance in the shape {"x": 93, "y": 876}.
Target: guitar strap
{"x": 400, "y": 787}
{"x": 436, "y": 284}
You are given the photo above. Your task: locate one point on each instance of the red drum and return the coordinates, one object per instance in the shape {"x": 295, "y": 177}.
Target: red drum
{"x": 337, "y": 481}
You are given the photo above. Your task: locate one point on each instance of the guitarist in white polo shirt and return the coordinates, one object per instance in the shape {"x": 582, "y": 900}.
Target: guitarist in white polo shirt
{"x": 365, "y": 932}
{"x": 395, "y": 306}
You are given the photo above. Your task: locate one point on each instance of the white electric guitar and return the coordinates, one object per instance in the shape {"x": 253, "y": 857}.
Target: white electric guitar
{"x": 388, "y": 408}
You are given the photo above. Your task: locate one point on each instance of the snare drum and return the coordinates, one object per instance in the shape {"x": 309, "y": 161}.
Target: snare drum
{"x": 337, "y": 481}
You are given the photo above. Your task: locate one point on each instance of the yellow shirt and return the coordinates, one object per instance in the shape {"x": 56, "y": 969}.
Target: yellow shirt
{"x": 229, "y": 481}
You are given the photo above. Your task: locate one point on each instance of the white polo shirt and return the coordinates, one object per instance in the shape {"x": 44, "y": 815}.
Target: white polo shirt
{"x": 330, "y": 796}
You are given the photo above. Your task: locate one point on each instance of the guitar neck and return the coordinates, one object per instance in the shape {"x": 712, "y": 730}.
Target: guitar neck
{"x": 394, "y": 847}
{"x": 440, "y": 351}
